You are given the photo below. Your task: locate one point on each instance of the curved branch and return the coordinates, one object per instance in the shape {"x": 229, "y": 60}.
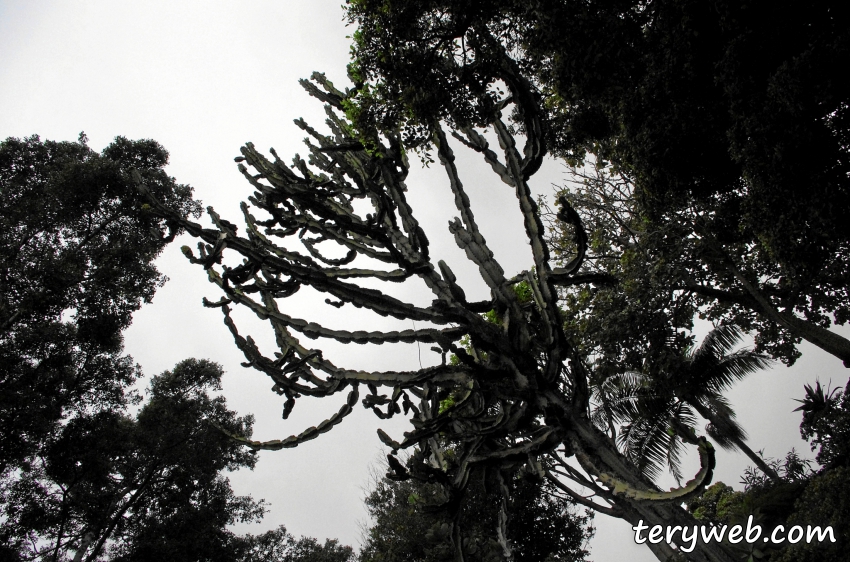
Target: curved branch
{"x": 623, "y": 489}
{"x": 304, "y": 436}
{"x": 578, "y": 498}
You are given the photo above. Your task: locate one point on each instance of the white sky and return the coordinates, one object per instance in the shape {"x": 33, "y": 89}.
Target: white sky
{"x": 202, "y": 78}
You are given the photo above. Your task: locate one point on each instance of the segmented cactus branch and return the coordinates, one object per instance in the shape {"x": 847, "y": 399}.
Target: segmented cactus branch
{"x": 515, "y": 391}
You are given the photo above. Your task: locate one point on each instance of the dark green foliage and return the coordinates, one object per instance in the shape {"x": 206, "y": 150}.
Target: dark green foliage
{"x": 825, "y": 502}
{"x": 277, "y": 545}
{"x": 800, "y": 496}
{"x": 660, "y": 275}
{"x": 768, "y": 505}
{"x": 542, "y": 525}
{"x": 717, "y": 505}
{"x": 75, "y": 233}
{"x": 826, "y": 424}
{"x": 124, "y": 487}
{"x": 730, "y": 119}
{"x": 691, "y": 97}
{"x": 76, "y": 260}
{"x": 415, "y": 63}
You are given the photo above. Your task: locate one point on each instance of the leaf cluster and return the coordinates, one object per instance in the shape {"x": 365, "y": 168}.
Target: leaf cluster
{"x": 76, "y": 260}
{"x": 542, "y": 526}
{"x": 136, "y": 487}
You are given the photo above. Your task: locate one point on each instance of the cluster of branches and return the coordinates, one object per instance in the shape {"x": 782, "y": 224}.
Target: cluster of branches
{"x": 708, "y": 265}
{"x": 520, "y": 390}
{"x": 702, "y": 224}
{"x": 655, "y": 278}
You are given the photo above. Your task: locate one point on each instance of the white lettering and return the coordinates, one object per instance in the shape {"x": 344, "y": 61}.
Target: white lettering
{"x": 714, "y": 533}
{"x": 795, "y": 539}
{"x": 692, "y": 539}
{"x": 821, "y": 534}
{"x": 672, "y": 531}
{"x": 735, "y": 534}
{"x": 638, "y": 529}
{"x": 656, "y": 534}
{"x": 750, "y": 529}
{"x": 685, "y": 538}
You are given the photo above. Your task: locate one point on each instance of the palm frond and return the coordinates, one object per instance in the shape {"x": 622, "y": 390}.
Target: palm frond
{"x": 651, "y": 442}
{"x": 717, "y": 343}
{"x": 712, "y": 368}
{"x": 818, "y": 401}
{"x": 818, "y": 398}
{"x": 723, "y": 427}
{"x": 736, "y": 367}
{"x": 622, "y": 394}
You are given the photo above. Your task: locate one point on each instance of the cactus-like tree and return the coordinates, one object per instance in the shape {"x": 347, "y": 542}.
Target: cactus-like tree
{"x": 517, "y": 394}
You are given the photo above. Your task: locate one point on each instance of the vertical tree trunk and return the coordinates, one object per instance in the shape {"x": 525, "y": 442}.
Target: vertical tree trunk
{"x": 84, "y": 545}
{"x": 739, "y": 443}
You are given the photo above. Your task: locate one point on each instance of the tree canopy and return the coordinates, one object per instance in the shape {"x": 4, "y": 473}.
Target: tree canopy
{"x": 86, "y": 473}
{"x": 277, "y": 545}
{"x": 117, "y": 486}
{"x": 76, "y": 260}
{"x": 541, "y": 526}
{"x": 136, "y": 487}
{"x": 729, "y": 124}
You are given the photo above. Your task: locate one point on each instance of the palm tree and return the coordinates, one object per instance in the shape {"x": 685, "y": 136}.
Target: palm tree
{"x": 658, "y": 413}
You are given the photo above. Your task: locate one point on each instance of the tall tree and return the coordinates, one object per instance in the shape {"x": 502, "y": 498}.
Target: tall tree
{"x": 520, "y": 396}
{"x": 76, "y": 260}
{"x": 542, "y": 525}
{"x": 119, "y": 487}
{"x": 655, "y": 410}
{"x": 693, "y": 262}
{"x": 81, "y": 477}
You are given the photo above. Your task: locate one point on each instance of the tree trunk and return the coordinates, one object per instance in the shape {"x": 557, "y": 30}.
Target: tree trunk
{"x": 84, "y": 544}
{"x": 739, "y": 443}
{"x": 756, "y": 458}
{"x": 828, "y": 341}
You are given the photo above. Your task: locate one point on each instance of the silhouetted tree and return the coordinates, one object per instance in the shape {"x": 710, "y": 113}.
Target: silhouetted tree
{"x": 542, "y": 525}
{"x": 721, "y": 115}
{"x": 519, "y": 396}
{"x": 81, "y": 477}
{"x": 76, "y": 260}
{"x": 113, "y": 486}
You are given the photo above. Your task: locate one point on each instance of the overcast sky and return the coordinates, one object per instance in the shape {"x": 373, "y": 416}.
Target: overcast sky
{"x": 203, "y": 78}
